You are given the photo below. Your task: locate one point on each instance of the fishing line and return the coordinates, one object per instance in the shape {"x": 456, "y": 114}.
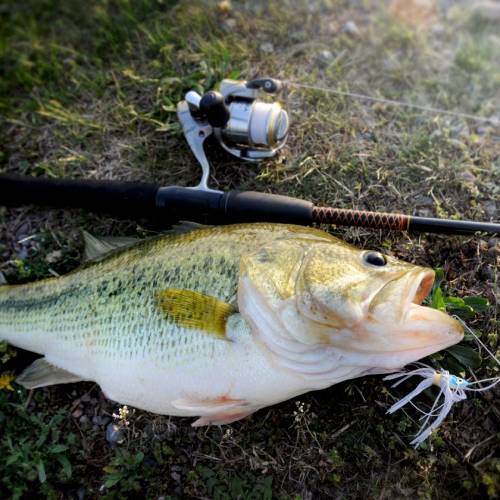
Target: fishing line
{"x": 478, "y": 340}
{"x": 394, "y": 102}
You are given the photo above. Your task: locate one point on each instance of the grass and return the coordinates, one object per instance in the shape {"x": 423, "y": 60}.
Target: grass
{"x": 89, "y": 90}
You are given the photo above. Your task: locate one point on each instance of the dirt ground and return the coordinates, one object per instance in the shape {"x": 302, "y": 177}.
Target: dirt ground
{"x": 88, "y": 90}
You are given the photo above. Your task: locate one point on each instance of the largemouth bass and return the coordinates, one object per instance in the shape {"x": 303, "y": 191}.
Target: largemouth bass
{"x": 219, "y": 322}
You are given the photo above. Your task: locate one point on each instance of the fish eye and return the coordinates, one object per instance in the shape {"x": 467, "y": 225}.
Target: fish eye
{"x": 375, "y": 259}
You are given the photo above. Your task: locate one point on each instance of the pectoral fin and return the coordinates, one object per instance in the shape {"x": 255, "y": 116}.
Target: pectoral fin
{"x": 41, "y": 373}
{"x": 195, "y": 310}
{"x": 217, "y": 411}
{"x": 221, "y": 418}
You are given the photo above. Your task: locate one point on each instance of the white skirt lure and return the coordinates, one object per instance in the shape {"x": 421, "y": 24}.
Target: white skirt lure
{"x": 451, "y": 388}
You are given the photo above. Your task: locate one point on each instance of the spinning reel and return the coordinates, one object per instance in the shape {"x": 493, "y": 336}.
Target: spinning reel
{"x": 243, "y": 125}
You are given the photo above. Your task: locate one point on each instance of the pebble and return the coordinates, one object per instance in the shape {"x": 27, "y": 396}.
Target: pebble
{"x": 483, "y": 130}
{"x": 325, "y": 57}
{"x": 468, "y": 176}
{"x": 490, "y": 208}
{"x": 424, "y": 212}
{"x": 486, "y": 274}
{"x": 23, "y": 253}
{"x": 267, "y": 47}
{"x": 114, "y": 434}
{"x": 77, "y": 413}
{"x": 101, "y": 420}
{"x": 350, "y": 28}
{"x": 230, "y": 24}
{"x": 54, "y": 256}
{"x": 423, "y": 201}
{"x": 438, "y": 29}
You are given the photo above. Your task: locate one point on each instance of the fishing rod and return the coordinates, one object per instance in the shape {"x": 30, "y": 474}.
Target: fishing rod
{"x": 246, "y": 127}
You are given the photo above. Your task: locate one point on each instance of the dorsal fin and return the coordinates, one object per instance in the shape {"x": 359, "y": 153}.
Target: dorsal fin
{"x": 195, "y": 310}
{"x": 97, "y": 247}
{"x": 185, "y": 226}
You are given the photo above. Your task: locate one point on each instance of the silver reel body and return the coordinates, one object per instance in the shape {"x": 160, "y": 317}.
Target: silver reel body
{"x": 244, "y": 126}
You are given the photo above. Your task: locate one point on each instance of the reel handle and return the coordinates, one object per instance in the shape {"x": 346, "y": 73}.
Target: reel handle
{"x": 214, "y": 109}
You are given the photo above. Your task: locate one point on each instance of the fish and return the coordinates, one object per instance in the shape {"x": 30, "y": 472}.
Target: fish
{"x": 219, "y": 322}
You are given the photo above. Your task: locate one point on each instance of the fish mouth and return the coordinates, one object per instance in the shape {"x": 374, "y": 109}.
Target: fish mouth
{"x": 419, "y": 287}
{"x": 413, "y": 330}
{"x": 397, "y": 298}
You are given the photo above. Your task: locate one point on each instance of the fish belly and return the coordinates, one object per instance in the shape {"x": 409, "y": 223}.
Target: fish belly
{"x": 199, "y": 371}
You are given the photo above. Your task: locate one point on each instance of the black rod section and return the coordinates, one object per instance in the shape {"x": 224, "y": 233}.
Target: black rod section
{"x": 448, "y": 226}
{"x": 125, "y": 199}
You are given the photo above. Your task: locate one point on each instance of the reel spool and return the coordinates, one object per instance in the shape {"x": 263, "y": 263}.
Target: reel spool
{"x": 244, "y": 126}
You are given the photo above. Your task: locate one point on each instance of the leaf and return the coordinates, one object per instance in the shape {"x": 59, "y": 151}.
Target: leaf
{"x": 42, "y": 475}
{"x": 468, "y": 336}
{"x": 111, "y": 481}
{"x": 437, "y": 301}
{"x": 58, "y": 448}
{"x": 467, "y": 356}
{"x": 479, "y": 304}
{"x": 456, "y": 305}
{"x": 438, "y": 278}
{"x": 13, "y": 458}
{"x": 68, "y": 470}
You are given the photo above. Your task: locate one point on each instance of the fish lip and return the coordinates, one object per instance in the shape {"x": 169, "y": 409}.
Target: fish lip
{"x": 420, "y": 286}
{"x": 403, "y": 357}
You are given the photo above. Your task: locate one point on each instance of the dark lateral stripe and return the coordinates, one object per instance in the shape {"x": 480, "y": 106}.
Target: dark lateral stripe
{"x": 39, "y": 302}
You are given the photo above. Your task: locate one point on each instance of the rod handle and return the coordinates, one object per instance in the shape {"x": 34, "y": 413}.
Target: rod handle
{"x": 217, "y": 207}
{"x": 112, "y": 197}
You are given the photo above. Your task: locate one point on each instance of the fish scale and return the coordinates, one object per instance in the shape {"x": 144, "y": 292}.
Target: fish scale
{"x": 218, "y": 322}
{"x": 107, "y": 311}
